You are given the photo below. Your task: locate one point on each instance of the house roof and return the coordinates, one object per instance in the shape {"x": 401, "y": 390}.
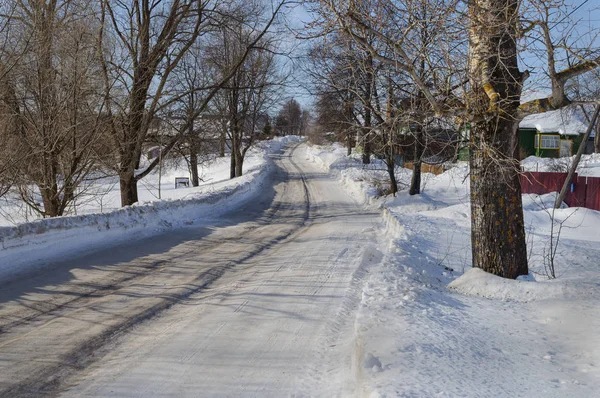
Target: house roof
{"x": 563, "y": 122}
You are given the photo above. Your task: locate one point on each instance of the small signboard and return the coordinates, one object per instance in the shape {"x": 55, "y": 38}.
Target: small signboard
{"x": 153, "y": 152}
{"x": 182, "y": 182}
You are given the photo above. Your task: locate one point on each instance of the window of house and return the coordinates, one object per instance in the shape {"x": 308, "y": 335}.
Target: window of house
{"x": 548, "y": 141}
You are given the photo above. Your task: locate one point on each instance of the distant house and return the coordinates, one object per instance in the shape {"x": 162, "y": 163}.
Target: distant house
{"x": 439, "y": 137}
{"x": 551, "y": 134}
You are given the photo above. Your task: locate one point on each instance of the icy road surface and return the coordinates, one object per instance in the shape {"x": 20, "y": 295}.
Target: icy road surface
{"x": 259, "y": 303}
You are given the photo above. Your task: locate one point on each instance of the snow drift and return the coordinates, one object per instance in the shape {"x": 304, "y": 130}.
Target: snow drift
{"x": 476, "y": 282}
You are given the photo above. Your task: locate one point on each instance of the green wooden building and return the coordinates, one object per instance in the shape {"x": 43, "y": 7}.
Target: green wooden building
{"x": 551, "y": 134}
{"x": 548, "y": 135}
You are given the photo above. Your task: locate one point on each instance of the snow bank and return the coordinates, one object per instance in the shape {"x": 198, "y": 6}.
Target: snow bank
{"x": 328, "y": 156}
{"x": 476, "y": 282}
{"x": 42, "y": 239}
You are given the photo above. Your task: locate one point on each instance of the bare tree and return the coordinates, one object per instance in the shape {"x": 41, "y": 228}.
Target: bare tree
{"x": 244, "y": 97}
{"x": 142, "y": 43}
{"x": 330, "y": 66}
{"x": 191, "y": 78}
{"x": 289, "y": 119}
{"x": 51, "y": 97}
{"x": 305, "y": 122}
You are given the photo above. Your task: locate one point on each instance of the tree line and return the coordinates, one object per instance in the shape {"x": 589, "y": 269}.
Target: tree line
{"x": 87, "y": 86}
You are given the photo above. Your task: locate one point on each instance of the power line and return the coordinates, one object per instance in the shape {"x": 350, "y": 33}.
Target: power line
{"x": 571, "y": 13}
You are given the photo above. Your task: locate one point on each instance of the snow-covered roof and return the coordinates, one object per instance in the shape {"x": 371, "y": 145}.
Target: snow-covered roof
{"x": 564, "y": 122}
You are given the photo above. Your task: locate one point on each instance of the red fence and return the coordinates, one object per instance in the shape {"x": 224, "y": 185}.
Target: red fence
{"x": 584, "y": 192}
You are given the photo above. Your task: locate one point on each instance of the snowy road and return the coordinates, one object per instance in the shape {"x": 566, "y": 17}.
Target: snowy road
{"x": 260, "y": 303}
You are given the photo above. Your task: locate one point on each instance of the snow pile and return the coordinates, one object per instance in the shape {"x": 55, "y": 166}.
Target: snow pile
{"x": 476, "y": 282}
{"x": 535, "y": 202}
{"x": 46, "y": 238}
{"x": 437, "y": 327}
{"x": 327, "y": 156}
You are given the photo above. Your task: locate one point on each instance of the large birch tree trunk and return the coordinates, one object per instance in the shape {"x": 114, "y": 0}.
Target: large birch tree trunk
{"x": 498, "y": 234}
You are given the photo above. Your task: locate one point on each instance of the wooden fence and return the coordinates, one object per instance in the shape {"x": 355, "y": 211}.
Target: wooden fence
{"x": 426, "y": 168}
{"x": 584, "y": 191}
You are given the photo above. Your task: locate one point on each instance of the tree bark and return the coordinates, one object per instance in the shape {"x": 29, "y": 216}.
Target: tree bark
{"x": 391, "y": 169}
{"x": 232, "y": 165}
{"x": 194, "y": 167}
{"x": 366, "y": 157}
{"x": 239, "y": 162}
{"x": 193, "y": 143}
{"x": 349, "y": 143}
{"x": 128, "y": 185}
{"x": 51, "y": 202}
{"x": 415, "y": 182}
{"x": 234, "y": 150}
{"x": 497, "y": 228}
{"x": 222, "y": 139}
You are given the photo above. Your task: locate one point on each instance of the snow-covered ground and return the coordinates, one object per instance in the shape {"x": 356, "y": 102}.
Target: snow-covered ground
{"x": 35, "y": 241}
{"x": 430, "y": 325}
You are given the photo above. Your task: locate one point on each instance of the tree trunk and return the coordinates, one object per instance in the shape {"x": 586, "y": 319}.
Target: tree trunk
{"x": 497, "y": 228}
{"x": 391, "y": 169}
{"x": 349, "y": 144}
{"x": 194, "y": 167}
{"x": 415, "y": 182}
{"x": 233, "y": 154}
{"x": 44, "y": 25}
{"x": 366, "y": 157}
{"x": 222, "y": 144}
{"x": 51, "y": 202}
{"x": 232, "y": 166}
{"x": 239, "y": 162}
{"x": 128, "y": 185}
{"x": 193, "y": 143}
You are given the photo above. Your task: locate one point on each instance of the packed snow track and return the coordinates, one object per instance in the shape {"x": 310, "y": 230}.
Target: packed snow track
{"x": 258, "y": 303}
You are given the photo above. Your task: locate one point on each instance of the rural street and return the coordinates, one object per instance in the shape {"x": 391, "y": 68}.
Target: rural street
{"x": 260, "y": 302}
